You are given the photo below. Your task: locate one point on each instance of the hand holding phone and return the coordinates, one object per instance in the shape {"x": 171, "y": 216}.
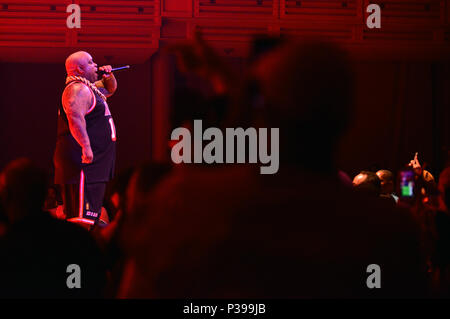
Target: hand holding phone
{"x": 406, "y": 183}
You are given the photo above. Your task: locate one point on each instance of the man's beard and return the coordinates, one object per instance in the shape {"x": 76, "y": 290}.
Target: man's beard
{"x": 92, "y": 77}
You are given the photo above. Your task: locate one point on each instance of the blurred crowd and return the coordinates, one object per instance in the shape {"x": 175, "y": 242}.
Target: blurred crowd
{"x": 224, "y": 230}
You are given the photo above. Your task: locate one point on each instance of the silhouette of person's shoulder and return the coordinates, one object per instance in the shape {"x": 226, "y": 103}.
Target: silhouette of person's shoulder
{"x": 37, "y": 252}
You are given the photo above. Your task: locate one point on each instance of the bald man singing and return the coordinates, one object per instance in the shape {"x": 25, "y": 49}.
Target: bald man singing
{"x": 84, "y": 157}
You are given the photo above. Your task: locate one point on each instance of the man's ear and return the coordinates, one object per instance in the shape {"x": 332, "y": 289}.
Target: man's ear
{"x": 80, "y": 70}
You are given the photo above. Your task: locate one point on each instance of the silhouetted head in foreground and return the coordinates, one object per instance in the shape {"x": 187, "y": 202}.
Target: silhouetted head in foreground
{"x": 38, "y": 248}
{"x": 23, "y": 188}
{"x": 308, "y": 91}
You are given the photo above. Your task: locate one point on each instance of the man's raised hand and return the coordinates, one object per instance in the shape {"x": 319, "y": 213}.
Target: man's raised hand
{"x": 107, "y": 69}
{"x": 414, "y": 163}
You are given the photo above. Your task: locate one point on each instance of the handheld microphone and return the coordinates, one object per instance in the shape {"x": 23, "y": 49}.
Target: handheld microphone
{"x": 100, "y": 73}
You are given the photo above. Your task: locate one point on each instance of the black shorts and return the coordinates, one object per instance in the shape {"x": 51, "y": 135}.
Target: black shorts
{"x": 83, "y": 201}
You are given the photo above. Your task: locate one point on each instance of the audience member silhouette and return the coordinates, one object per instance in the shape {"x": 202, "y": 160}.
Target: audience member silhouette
{"x": 441, "y": 248}
{"x": 38, "y": 248}
{"x": 133, "y": 187}
{"x": 226, "y": 231}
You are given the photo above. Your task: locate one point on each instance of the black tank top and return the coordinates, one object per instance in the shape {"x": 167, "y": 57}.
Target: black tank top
{"x": 102, "y": 135}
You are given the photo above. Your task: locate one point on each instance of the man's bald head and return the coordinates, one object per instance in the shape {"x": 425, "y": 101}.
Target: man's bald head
{"x": 81, "y": 64}
{"x": 75, "y": 60}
